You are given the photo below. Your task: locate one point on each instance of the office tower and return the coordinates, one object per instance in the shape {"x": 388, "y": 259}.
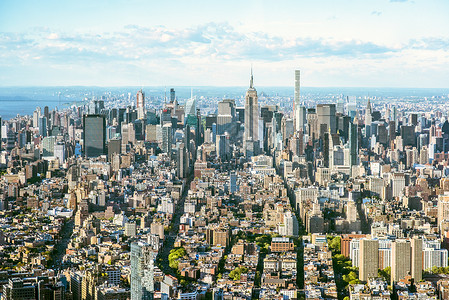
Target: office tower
{"x": 151, "y": 133}
{"x": 251, "y": 136}
{"x": 222, "y": 147}
{"x": 382, "y": 134}
{"x": 326, "y": 148}
{"x": 125, "y": 136}
{"x": 142, "y": 271}
{"x": 296, "y": 104}
{"x": 94, "y": 135}
{"x": 16, "y": 289}
{"x": 131, "y": 133}
{"x": 167, "y": 137}
{"x": 353, "y": 144}
{"x": 392, "y": 131}
{"x": 408, "y": 135}
{"x": 351, "y": 106}
{"x": 276, "y": 129}
{"x": 43, "y": 126}
{"x": 291, "y": 224}
{"x": 233, "y": 182}
{"x": 301, "y": 117}
{"x": 297, "y": 144}
{"x": 140, "y": 104}
{"x": 312, "y": 124}
{"x": 351, "y": 211}
{"x": 36, "y": 116}
{"x": 368, "y": 115}
{"x": 397, "y": 184}
{"x": 46, "y": 113}
{"x": 443, "y": 208}
{"x": 340, "y": 106}
{"x": 240, "y": 111}
{"x": 114, "y": 147}
{"x": 199, "y": 128}
{"x": 417, "y": 259}
{"x": 48, "y": 146}
{"x": 413, "y": 119}
{"x": 226, "y": 117}
{"x": 400, "y": 259}
{"x": 181, "y": 161}
{"x": 172, "y": 95}
{"x": 190, "y": 108}
{"x": 111, "y": 132}
{"x": 368, "y": 259}
{"x": 326, "y": 116}
{"x": 287, "y": 128}
{"x": 59, "y": 152}
{"x": 151, "y": 117}
{"x": 139, "y": 130}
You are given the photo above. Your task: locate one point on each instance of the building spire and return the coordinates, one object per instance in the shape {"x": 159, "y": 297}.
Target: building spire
{"x": 251, "y": 85}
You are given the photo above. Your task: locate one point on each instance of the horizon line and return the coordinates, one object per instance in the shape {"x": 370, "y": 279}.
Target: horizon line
{"x": 213, "y": 86}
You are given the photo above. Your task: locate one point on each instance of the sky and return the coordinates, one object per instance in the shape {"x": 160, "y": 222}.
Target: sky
{"x": 344, "y": 43}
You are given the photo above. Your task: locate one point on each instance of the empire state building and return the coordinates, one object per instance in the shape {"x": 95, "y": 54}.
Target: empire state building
{"x": 251, "y": 137}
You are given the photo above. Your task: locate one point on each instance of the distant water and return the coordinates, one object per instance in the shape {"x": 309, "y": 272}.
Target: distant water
{"x": 11, "y": 108}
{"x": 24, "y": 100}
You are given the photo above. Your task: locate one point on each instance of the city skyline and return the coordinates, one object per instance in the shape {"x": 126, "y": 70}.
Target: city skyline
{"x": 374, "y": 44}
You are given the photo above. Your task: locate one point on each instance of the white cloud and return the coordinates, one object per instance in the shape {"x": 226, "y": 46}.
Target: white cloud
{"x": 178, "y": 54}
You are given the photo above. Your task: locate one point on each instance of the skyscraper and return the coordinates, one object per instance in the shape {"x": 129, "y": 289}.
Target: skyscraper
{"x": 417, "y": 258}
{"x": 172, "y": 95}
{"x": 94, "y": 135}
{"x": 226, "y": 117}
{"x": 299, "y": 115}
{"x": 140, "y": 104}
{"x": 43, "y": 126}
{"x": 368, "y": 259}
{"x": 326, "y": 118}
{"x": 142, "y": 271}
{"x": 353, "y": 141}
{"x": 400, "y": 259}
{"x": 167, "y": 138}
{"x": 190, "y": 106}
{"x": 181, "y": 161}
{"x": 251, "y": 136}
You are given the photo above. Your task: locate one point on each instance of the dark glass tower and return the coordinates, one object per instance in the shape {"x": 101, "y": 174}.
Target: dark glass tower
{"x": 94, "y": 135}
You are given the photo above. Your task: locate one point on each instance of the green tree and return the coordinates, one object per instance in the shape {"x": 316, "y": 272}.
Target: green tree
{"x": 385, "y": 274}
{"x": 174, "y": 257}
{"x": 334, "y": 244}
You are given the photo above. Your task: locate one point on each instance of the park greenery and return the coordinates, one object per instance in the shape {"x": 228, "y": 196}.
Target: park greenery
{"x": 438, "y": 270}
{"x": 345, "y": 273}
{"x": 385, "y": 274}
{"x": 237, "y": 272}
{"x": 174, "y": 257}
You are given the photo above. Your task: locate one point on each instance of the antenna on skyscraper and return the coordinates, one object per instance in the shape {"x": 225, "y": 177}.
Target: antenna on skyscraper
{"x": 251, "y": 83}
{"x": 165, "y": 95}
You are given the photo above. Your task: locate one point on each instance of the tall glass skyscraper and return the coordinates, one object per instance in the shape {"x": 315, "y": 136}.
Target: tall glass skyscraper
{"x": 94, "y": 135}
{"x": 142, "y": 271}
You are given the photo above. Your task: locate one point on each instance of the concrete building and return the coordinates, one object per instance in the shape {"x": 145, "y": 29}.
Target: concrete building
{"x": 368, "y": 259}
{"x": 400, "y": 260}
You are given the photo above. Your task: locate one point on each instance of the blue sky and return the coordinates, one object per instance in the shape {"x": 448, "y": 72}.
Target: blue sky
{"x": 369, "y": 43}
